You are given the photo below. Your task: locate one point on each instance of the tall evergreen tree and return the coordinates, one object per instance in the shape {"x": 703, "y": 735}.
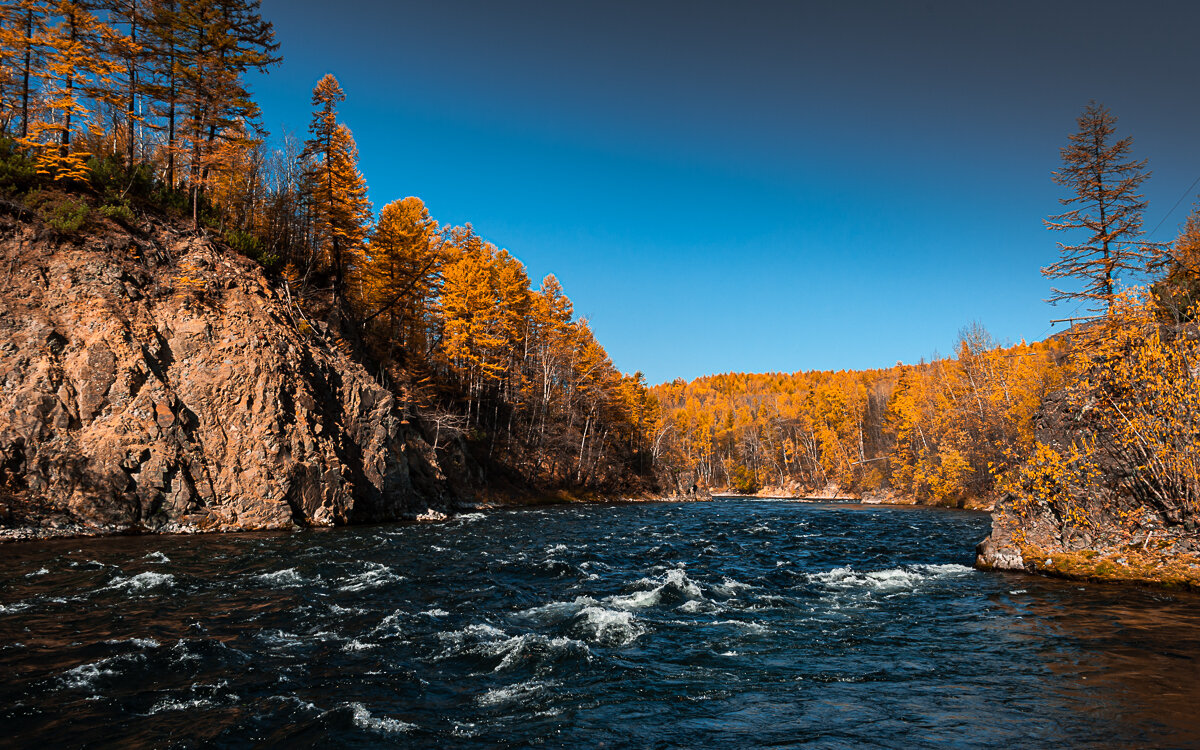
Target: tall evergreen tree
{"x": 337, "y": 191}
{"x": 1105, "y": 202}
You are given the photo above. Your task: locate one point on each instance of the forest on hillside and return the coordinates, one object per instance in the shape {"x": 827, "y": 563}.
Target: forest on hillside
{"x": 120, "y": 110}
{"x": 126, "y": 111}
{"x": 933, "y": 432}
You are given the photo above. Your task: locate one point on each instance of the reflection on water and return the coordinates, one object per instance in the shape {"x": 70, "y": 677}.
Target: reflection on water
{"x": 738, "y": 623}
{"x": 1127, "y": 656}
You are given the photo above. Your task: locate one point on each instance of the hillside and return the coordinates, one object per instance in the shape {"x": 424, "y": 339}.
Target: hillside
{"x": 156, "y": 381}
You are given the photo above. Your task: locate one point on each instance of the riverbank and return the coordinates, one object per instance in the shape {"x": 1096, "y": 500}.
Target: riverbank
{"x": 64, "y": 528}
{"x": 834, "y": 493}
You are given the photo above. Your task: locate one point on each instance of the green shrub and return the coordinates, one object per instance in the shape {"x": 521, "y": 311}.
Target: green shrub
{"x": 63, "y": 213}
{"x": 119, "y": 212}
{"x": 252, "y": 247}
{"x": 17, "y": 171}
{"x": 116, "y": 183}
{"x": 744, "y": 481}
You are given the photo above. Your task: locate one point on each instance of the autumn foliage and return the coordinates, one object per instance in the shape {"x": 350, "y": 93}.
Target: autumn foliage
{"x": 934, "y": 432}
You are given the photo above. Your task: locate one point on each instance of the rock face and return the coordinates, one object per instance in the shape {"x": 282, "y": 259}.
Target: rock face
{"x": 155, "y": 381}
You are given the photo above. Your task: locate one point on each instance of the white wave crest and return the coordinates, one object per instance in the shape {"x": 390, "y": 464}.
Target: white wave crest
{"x": 157, "y": 557}
{"x": 435, "y": 612}
{"x": 139, "y": 642}
{"x": 6, "y": 609}
{"x": 749, "y": 627}
{"x": 142, "y": 581}
{"x": 364, "y": 720}
{"x": 38, "y": 572}
{"x": 556, "y": 612}
{"x": 285, "y": 578}
{"x": 946, "y": 570}
{"x": 672, "y": 584}
{"x": 520, "y": 693}
{"x": 492, "y": 642}
{"x": 610, "y": 627}
{"x": 357, "y": 645}
{"x": 376, "y": 575}
{"x": 85, "y": 675}
{"x": 694, "y": 606}
{"x": 179, "y": 705}
{"x": 887, "y": 581}
{"x": 730, "y": 587}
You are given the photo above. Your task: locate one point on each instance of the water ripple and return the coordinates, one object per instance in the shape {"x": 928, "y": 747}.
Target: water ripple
{"x": 737, "y": 623}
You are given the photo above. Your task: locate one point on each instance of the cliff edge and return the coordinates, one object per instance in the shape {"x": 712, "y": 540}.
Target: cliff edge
{"x": 153, "y": 380}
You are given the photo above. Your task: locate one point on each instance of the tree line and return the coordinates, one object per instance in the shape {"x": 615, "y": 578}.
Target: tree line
{"x": 934, "y": 432}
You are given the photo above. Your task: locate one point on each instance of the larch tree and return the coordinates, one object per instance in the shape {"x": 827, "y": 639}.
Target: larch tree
{"x": 214, "y": 44}
{"x": 337, "y": 191}
{"x": 76, "y": 76}
{"x": 23, "y": 30}
{"x": 132, "y": 58}
{"x": 401, "y": 275}
{"x": 161, "y": 80}
{"x": 1179, "y": 288}
{"x": 1104, "y": 182}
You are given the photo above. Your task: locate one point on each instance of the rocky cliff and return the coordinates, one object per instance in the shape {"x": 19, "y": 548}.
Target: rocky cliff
{"x": 152, "y": 380}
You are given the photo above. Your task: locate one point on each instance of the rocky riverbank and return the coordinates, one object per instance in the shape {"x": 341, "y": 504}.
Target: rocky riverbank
{"x": 1109, "y": 529}
{"x": 154, "y": 381}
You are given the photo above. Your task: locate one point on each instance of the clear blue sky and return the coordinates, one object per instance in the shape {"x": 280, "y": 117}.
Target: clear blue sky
{"x": 770, "y": 186}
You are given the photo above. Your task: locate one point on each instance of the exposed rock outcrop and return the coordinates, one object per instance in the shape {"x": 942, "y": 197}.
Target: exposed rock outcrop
{"x": 156, "y": 381}
{"x": 1112, "y": 531}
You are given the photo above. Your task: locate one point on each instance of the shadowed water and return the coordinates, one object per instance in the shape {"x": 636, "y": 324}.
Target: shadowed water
{"x": 737, "y": 623}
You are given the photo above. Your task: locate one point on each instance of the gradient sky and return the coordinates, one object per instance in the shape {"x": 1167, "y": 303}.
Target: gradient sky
{"x": 770, "y": 186}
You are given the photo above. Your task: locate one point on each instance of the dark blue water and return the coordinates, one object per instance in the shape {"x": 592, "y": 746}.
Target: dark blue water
{"x": 736, "y": 623}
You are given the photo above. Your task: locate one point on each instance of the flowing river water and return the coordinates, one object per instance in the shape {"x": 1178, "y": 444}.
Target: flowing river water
{"x": 738, "y": 623}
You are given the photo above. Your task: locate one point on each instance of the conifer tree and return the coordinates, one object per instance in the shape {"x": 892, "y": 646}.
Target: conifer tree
{"x": 76, "y": 76}
{"x": 402, "y": 272}
{"x": 1105, "y": 202}
{"x": 23, "y": 28}
{"x": 337, "y": 190}
{"x": 162, "y": 77}
{"x": 215, "y": 43}
{"x": 130, "y": 54}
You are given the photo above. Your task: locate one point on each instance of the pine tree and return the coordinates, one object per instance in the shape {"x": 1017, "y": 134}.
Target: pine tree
{"x": 337, "y": 191}
{"x": 1105, "y": 201}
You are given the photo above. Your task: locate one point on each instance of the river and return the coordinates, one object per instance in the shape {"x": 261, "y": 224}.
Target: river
{"x": 738, "y": 623}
